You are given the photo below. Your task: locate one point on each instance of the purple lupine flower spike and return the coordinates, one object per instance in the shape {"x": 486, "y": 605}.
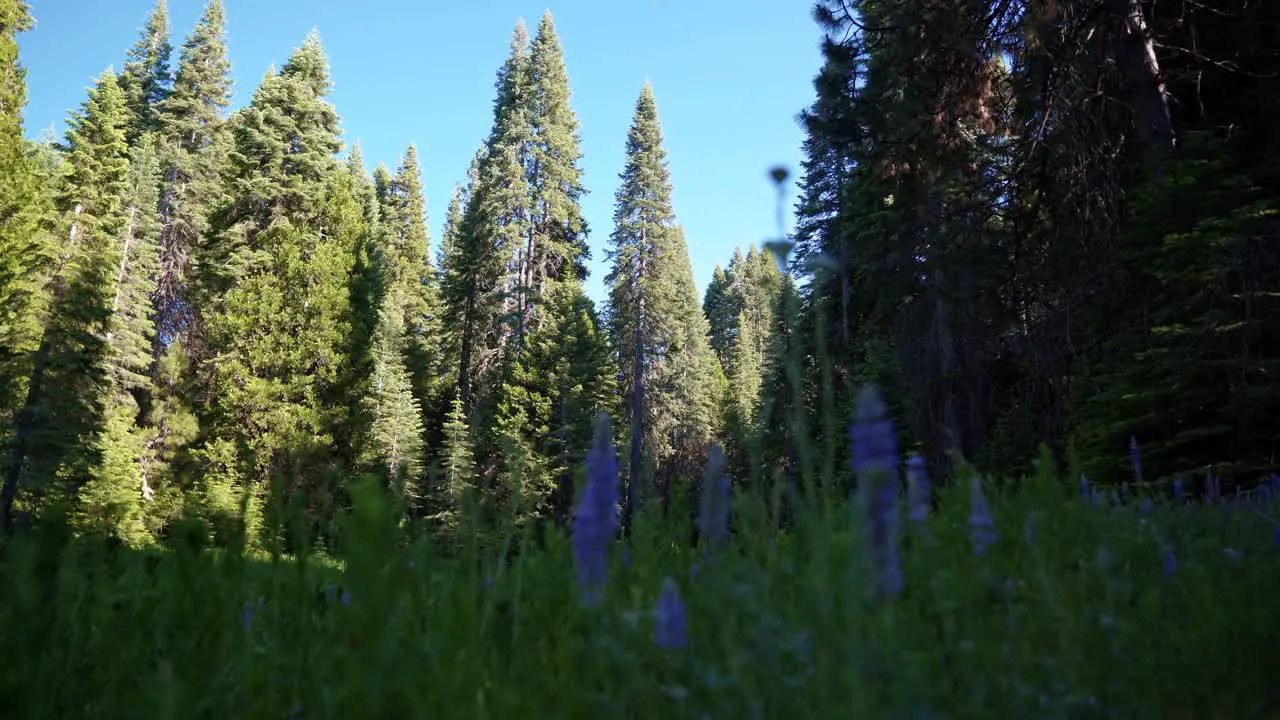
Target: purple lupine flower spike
{"x": 670, "y": 622}
{"x": 873, "y": 445}
{"x": 595, "y": 519}
{"x": 982, "y": 527}
{"x": 918, "y": 491}
{"x": 1135, "y": 457}
{"x": 1178, "y": 491}
{"x": 713, "y": 520}
{"x": 882, "y": 514}
{"x": 1170, "y": 562}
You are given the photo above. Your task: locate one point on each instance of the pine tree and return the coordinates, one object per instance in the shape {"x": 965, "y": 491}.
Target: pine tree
{"x": 52, "y": 449}
{"x": 556, "y": 248}
{"x": 719, "y": 307}
{"x": 146, "y": 79}
{"x": 493, "y": 233}
{"x": 554, "y": 390}
{"x": 25, "y": 252}
{"x": 195, "y": 140}
{"x": 659, "y": 331}
{"x": 279, "y": 322}
{"x": 396, "y": 432}
{"x": 111, "y": 502}
{"x": 406, "y": 251}
{"x": 457, "y": 472}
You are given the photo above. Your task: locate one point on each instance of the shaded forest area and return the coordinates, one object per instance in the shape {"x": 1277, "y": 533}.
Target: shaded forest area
{"x": 1028, "y": 222}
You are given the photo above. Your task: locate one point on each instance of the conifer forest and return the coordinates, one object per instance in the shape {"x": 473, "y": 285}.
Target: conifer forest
{"x": 991, "y": 432}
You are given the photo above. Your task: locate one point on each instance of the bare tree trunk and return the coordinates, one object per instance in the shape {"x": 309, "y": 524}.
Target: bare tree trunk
{"x": 1136, "y": 56}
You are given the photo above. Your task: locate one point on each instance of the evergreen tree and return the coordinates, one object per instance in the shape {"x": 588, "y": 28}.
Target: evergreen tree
{"x": 659, "y": 331}
{"x": 406, "y": 251}
{"x": 112, "y": 501}
{"x": 718, "y": 305}
{"x": 279, "y": 324}
{"x": 195, "y": 140}
{"x": 493, "y": 234}
{"x": 25, "y": 252}
{"x": 457, "y": 472}
{"x": 396, "y": 432}
{"x": 555, "y": 388}
{"x": 556, "y": 248}
{"x": 52, "y": 450}
{"x": 146, "y": 80}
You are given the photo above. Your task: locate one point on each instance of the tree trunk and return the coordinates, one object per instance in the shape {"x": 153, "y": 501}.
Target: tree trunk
{"x": 1136, "y": 56}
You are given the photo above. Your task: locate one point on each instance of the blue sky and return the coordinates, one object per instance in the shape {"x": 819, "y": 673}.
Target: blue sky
{"x": 729, "y": 79}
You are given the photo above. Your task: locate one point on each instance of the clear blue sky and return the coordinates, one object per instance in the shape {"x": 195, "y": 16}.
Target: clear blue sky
{"x": 729, "y": 78}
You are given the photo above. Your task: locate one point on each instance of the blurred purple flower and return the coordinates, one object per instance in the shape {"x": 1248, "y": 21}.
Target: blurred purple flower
{"x": 882, "y": 516}
{"x": 982, "y": 527}
{"x": 918, "y": 491}
{"x": 873, "y": 445}
{"x": 595, "y": 520}
{"x": 1135, "y": 457}
{"x": 1146, "y": 506}
{"x": 1170, "y": 562}
{"x": 251, "y": 611}
{"x": 670, "y": 623}
{"x": 713, "y": 520}
{"x": 1178, "y": 492}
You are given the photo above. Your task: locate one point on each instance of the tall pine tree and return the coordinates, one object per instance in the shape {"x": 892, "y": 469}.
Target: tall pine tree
{"x": 659, "y": 331}
{"x": 52, "y": 451}
{"x": 279, "y": 322}
{"x": 25, "y": 252}
{"x": 112, "y": 501}
{"x": 146, "y": 79}
{"x": 195, "y": 140}
{"x": 493, "y": 234}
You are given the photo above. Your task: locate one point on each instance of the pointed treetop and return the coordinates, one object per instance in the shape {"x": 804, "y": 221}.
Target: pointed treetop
{"x": 547, "y": 26}
{"x": 310, "y": 64}
{"x": 355, "y": 160}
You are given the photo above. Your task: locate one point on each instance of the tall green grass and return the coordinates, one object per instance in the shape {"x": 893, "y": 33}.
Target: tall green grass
{"x": 1079, "y": 610}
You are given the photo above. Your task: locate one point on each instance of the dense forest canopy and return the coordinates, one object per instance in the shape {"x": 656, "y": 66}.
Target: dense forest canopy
{"x": 1027, "y": 222}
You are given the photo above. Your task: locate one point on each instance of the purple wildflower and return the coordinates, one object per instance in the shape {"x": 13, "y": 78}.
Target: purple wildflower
{"x": 882, "y": 514}
{"x": 1212, "y": 490}
{"x": 982, "y": 527}
{"x": 1177, "y": 488}
{"x": 1146, "y": 506}
{"x": 345, "y": 599}
{"x": 873, "y": 445}
{"x": 1135, "y": 457}
{"x": 670, "y": 623}
{"x": 251, "y": 610}
{"x": 918, "y": 491}
{"x": 595, "y": 520}
{"x": 1170, "y": 562}
{"x": 713, "y": 521}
